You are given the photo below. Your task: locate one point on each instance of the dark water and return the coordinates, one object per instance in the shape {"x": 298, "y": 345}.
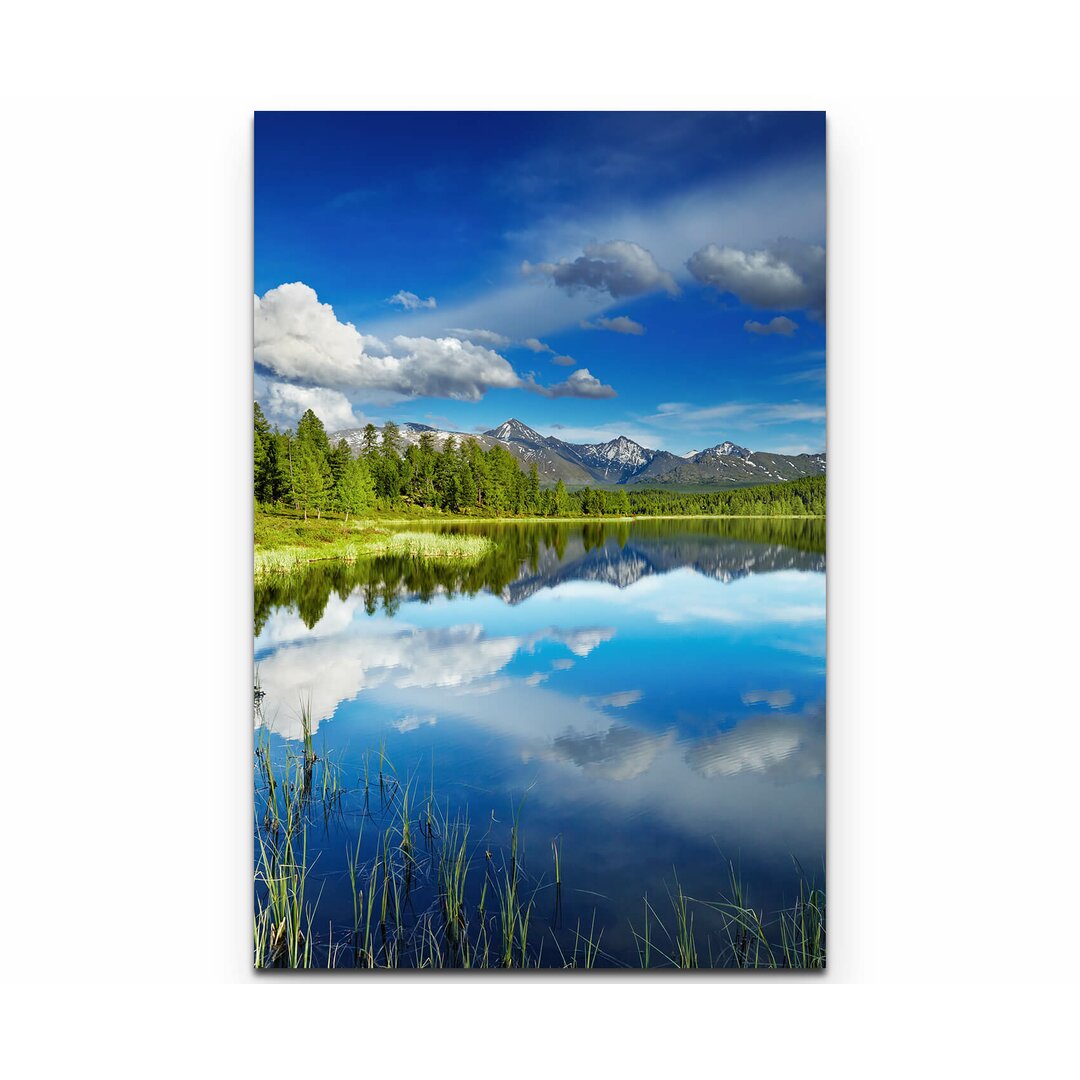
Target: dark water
{"x": 653, "y": 692}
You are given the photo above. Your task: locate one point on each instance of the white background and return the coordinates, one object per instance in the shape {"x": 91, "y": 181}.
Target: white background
{"x": 126, "y": 286}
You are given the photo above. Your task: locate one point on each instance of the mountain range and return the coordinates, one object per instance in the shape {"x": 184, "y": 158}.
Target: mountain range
{"x": 620, "y": 461}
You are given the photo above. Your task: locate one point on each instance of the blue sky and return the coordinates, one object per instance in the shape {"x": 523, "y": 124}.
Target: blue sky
{"x": 659, "y": 275}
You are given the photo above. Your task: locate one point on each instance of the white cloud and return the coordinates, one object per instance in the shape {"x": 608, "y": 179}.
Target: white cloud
{"x": 749, "y": 414}
{"x": 302, "y": 340}
{"x": 618, "y": 324}
{"x": 564, "y": 361}
{"x": 410, "y": 301}
{"x": 537, "y": 346}
{"x": 297, "y": 337}
{"x": 618, "y": 267}
{"x": 788, "y": 275}
{"x": 780, "y": 325}
{"x": 286, "y": 402}
{"x": 482, "y": 337}
{"x": 580, "y": 384}
{"x": 747, "y": 212}
{"x": 601, "y": 433}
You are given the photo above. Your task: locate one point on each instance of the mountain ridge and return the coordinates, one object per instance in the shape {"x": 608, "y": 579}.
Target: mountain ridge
{"x": 619, "y": 462}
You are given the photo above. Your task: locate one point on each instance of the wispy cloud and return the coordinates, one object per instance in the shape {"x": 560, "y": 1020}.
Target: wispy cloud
{"x": 618, "y": 324}
{"x": 811, "y": 375}
{"x": 775, "y": 699}
{"x": 490, "y": 338}
{"x": 746, "y": 413}
{"x": 410, "y": 301}
{"x": 619, "y": 700}
{"x": 747, "y": 213}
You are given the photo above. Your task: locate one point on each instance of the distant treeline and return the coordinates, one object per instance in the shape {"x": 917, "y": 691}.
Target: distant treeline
{"x": 302, "y": 469}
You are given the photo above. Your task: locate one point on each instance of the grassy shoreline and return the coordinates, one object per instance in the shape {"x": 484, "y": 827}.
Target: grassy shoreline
{"x": 286, "y": 545}
{"x": 454, "y": 519}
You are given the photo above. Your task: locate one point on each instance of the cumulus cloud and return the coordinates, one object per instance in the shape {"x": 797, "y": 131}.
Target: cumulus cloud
{"x": 410, "y": 301}
{"x": 618, "y": 267}
{"x": 535, "y": 345}
{"x": 579, "y": 384}
{"x": 482, "y": 337}
{"x": 564, "y": 361}
{"x": 788, "y": 275}
{"x": 301, "y": 339}
{"x": 619, "y": 324}
{"x": 780, "y": 325}
{"x": 286, "y": 402}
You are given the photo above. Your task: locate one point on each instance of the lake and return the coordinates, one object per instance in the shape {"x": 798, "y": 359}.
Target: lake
{"x": 646, "y": 700}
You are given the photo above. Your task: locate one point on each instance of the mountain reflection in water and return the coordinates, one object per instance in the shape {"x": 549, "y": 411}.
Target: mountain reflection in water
{"x": 657, "y": 688}
{"x": 528, "y": 557}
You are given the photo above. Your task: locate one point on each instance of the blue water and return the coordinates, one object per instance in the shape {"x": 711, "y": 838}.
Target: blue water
{"x": 652, "y": 695}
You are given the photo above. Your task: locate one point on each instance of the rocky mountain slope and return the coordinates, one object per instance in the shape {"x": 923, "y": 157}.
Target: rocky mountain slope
{"x": 620, "y": 461}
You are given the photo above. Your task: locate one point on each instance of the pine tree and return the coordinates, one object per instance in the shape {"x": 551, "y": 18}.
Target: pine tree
{"x": 562, "y": 500}
{"x": 311, "y": 433}
{"x": 388, "y": 475}
{"x": 466, "y": 482}
{"x": 264, "y": 439}
{"x": 446, "y": 476}
{"x": 310, "y": 485}
{"x": 280, "y": 451}
{"x": 354, "y": 492}
{"x": 340, "y": 457}
{"x": 391, "y": 435}
{"x": 532, "y": 490}
{"x": 370, "y": 440}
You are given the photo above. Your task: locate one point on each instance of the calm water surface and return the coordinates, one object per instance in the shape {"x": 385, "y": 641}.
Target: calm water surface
{"x": 654, "y": 691}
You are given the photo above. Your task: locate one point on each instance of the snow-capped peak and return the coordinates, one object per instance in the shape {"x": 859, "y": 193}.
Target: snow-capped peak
{"x": 728, "y": 449}
{"x": 619, "y": 451}
{"x": 515, "y": 430}
{"x": 690, "y": 454}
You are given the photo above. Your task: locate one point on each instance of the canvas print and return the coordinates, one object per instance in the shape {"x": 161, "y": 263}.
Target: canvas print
{"x": 539, "y": 540}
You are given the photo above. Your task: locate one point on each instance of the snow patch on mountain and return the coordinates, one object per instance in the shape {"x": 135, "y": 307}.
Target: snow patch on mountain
{"x": 726, "y": 449}
{"x": 513, "y": 430}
